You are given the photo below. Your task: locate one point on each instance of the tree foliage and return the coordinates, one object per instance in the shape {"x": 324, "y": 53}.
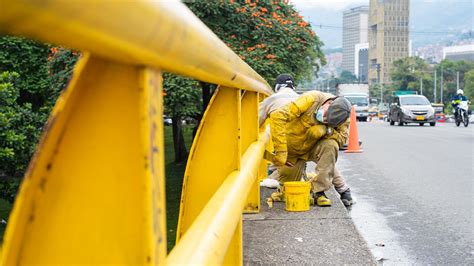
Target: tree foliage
{"x": 32, "y": 75}
{"x": 20, "y": 126}
{"x": 346, "y": 77}
{"x": 469, "y": 84}
{"x": 408, "y": 73}
{"x": 29, "y": 59}
{"x": 269, "y": 35}
{"x": 182, "y": 100}
{"x": 449, "y": 70}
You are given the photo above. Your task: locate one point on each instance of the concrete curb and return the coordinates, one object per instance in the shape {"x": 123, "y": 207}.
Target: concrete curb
{"x": 319, "y": 236}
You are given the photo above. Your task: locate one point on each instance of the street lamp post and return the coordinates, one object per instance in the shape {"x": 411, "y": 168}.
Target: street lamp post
{"x": 378, "y": 82}
{"x": 421, "y": 85}
{"x": 457, "y": 81}
{"x": 441, "y": 85}
{"x": 434, "y": 91}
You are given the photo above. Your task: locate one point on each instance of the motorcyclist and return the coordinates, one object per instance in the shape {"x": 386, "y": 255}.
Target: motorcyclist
{"x": 456, "y": 100}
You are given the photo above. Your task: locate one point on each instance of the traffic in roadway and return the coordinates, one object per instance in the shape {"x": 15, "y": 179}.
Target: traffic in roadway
{"x": 413, "y": 187}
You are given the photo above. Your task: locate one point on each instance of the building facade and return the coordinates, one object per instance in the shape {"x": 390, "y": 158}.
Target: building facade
{"x": 388, "y": 37}
{"x": 361, "y": 62}
{"x": 354, "y": 31}
{"x": 459, "y": 52}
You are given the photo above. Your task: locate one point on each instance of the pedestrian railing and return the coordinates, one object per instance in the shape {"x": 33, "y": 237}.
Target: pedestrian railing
{"x": 94, "y": 191}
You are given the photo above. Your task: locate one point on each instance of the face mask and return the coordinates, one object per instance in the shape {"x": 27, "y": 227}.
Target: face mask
{"x": 320, "y": 115}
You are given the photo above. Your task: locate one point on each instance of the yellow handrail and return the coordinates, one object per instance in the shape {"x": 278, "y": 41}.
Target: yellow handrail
{"x": 127, "y": 44}
{"x": 163, "y": 34}
{"x": 206, "y": 241}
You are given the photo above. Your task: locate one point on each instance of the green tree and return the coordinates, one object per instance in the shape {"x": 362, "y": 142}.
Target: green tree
{"x": 182, "y": 100}
{"x": 449, "y": 69}
{"x": 61, "y": 62}
{"x": 29, "y": 59}
{"x": 20, "y": 127}
{"x": 406, "y": 73}
{"x": 469, "y": 84}
{"x": 32, "y": 75}
{"x": 346, "y": 77}
{"x": 269, "y": 35}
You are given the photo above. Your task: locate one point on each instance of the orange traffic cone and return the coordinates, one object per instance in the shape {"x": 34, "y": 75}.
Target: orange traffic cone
{"x": 353, "y": 145}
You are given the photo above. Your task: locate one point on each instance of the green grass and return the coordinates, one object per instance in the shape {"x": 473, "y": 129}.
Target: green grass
{"x": 174, "y": 180}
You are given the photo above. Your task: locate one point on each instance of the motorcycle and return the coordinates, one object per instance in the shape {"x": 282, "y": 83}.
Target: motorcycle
{"x": 462, "y": 114}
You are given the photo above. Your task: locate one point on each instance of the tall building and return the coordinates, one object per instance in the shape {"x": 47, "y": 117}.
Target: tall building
{"x": 354, "y": 31}
{"x": 388, "y": 36}
{"x": 361, "y": 62}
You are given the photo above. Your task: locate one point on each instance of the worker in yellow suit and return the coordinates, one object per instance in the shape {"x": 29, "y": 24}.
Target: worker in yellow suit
{"x": 310, "y": 128}
{"x": 284, "y": 94}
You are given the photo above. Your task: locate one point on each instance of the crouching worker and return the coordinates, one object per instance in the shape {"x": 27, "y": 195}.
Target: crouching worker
{"x": 284, "y": 94}
{"x": 311, "y": 128}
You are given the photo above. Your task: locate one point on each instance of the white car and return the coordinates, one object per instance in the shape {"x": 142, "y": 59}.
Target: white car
{"x": 411, "y": 109}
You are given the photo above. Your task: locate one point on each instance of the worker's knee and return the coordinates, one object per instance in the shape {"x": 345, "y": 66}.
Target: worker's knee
{"x": 328, "y": 146}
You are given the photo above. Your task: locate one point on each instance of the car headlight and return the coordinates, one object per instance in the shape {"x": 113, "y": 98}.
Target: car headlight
{"x": 431, "y": 111}
{"x": 405, "y": 111}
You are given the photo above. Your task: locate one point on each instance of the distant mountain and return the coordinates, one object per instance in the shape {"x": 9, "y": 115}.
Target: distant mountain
{"x": 328, "y": 50}
{"x": 449, "y": 18}
{"x": 432, "y": 21}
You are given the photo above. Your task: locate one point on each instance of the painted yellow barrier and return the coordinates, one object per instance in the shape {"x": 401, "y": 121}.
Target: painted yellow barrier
{"x": 94, "y": 191}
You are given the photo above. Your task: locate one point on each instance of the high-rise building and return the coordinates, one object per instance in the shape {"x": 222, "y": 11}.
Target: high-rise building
{"x": 388, "y": 36}
{"x": 361, "y": 62}
{"x": 354, "y": 31}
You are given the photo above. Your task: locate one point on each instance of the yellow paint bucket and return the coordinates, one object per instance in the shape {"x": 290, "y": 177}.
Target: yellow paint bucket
{"x": 296, "y": 196}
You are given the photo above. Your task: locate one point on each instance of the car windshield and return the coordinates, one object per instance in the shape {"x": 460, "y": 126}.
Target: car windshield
{"x": 414, "y": 101}
{"x": 358, "y": 100}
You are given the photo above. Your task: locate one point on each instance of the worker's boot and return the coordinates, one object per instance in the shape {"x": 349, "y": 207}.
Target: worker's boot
{"x": 321, "y": 199}
{"x": 346, "y": 198}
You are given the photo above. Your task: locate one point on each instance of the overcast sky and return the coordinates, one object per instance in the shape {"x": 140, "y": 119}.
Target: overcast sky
{"x": 326, "y": 4}
{"x": 425, "y": 15}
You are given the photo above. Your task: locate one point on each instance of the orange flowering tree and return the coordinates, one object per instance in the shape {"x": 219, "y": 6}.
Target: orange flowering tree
{"x": 271, "y": 36}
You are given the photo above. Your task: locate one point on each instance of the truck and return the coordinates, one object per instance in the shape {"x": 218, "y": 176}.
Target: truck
{"x": 358, "y": 95}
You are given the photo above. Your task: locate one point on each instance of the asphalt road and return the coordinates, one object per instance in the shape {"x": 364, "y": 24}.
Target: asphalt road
{"x": 414, "y": 191}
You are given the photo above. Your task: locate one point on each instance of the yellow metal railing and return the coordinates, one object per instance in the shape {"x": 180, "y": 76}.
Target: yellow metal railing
{"x": 94, "y": 191}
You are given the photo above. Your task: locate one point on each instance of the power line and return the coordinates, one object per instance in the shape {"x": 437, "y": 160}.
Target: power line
{"x": 402, "y": 28}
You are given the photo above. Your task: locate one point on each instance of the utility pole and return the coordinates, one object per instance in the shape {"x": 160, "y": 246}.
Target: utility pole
{"x": 378, "y": 82}
{"x": 457, "y": 81}
{"x": 421, "y": 85}
{"x": 434, "y": 91}
{"x": 442, "y": 87}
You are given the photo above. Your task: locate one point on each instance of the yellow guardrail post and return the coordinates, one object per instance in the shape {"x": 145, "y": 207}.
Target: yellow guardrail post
{"x": 94, "y": 191}
{"x": 213, "y": 230}
{"x": 250, "y": 132}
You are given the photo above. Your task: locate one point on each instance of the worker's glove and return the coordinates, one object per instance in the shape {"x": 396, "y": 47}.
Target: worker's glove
{"x": 280, "y": 158}
{"x": 317, "y": 131}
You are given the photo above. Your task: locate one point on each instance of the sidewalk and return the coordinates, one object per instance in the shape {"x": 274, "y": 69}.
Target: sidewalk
{"x": 319, "y": 236}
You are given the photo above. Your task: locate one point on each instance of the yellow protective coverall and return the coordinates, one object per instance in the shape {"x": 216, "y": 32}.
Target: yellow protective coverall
{"x": 298, "y": 137}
